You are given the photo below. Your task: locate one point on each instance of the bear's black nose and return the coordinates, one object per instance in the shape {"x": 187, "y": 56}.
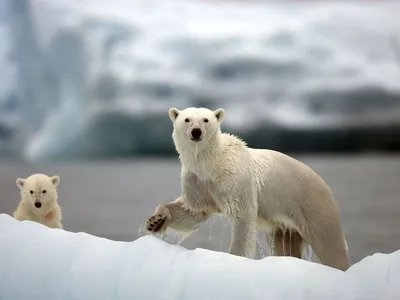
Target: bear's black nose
{"x": 196, "y": 133}
{"x": 38, "y": 204}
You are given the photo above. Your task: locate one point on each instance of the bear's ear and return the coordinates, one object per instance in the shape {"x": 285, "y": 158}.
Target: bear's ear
{"x": 20, "y": 182}
{"x": 55, "y": 180}
{"x": 173, "y": 113}
{"x": 219, "y": 114}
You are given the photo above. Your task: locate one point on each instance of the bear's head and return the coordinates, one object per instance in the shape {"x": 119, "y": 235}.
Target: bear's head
{"x": 196, "y": 126}
{"x": 38, "y": 189}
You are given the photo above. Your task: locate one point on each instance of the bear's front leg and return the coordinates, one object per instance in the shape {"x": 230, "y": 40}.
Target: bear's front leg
{"x": 176, "y": 216}
{"x": 55, "y": 224}
{"x": 244, "y": 236}
{"x": 243, "y": 214}
{"x": 24, "y": 215}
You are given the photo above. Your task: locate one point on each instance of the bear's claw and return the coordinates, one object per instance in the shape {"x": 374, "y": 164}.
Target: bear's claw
{"x": 156, "y": 223}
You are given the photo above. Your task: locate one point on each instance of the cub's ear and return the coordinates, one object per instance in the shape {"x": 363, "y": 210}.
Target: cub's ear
{"x": 20, "y": 182}
{"x": 219, "y": 114}
{"x": 173, "y": 113}
{"x": 55, "y": 180}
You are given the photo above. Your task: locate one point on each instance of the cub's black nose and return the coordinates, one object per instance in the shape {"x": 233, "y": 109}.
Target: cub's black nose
{"x": 38, "y": 204}
{"x": 196, "y": 133}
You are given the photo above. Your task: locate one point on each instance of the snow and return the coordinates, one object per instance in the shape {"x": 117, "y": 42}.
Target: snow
{"x": 41, "y": 263}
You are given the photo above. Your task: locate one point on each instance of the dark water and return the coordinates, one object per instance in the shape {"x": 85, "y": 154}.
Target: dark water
{"x": 113, "y": 198}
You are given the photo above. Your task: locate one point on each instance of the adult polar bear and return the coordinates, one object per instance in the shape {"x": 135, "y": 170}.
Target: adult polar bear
{"x": 253, "y": 188}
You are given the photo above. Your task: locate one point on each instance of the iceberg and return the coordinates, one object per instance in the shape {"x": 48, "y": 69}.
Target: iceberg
{"x": 96, "y": 80}
{"x": 42, "y": 263}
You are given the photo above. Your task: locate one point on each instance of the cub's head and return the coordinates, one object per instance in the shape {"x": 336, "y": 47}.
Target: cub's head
{"x": 38, "y": 189}
{"x": 196, "y": 125}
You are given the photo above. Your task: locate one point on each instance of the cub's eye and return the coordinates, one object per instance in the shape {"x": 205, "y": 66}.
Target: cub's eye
{"x": 187, "y": 120}
{"x": 44, "y": 191}
{"x": 205, "y": 120}
{"x": 31, "y": 191}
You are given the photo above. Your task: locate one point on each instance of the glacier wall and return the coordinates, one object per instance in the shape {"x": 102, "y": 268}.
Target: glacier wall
{"x": 98, "y": 79}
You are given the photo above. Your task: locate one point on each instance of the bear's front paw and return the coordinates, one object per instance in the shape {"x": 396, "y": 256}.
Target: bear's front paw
{"x": 156, "y": 223}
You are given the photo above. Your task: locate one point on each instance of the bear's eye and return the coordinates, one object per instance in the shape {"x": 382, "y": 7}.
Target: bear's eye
{"x": 44, "y": 191}
{"x": 187, "y": 120}
{"x": 31, "y": 191}
{"x": 205, "y": 120}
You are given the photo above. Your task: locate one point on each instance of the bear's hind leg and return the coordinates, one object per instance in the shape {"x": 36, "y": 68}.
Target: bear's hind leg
{"x": 330, "y": 249}
{"x": 325, "y": 237}
{"x": 287, "y": 242}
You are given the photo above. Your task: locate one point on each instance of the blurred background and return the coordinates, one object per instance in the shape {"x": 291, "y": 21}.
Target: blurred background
{"x": 85, "y": 88}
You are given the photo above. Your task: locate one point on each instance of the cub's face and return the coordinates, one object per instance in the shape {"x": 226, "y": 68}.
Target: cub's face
{"x": 196, "y": 125}
{"x": 38, "y": 189}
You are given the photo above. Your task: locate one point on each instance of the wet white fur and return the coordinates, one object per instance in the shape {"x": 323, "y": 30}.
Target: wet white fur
{"x": 256, "y": 189}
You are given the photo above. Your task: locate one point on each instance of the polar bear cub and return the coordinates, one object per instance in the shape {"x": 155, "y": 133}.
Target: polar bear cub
{"x": 39, "y": 200}
{"x": 255, "y": 189}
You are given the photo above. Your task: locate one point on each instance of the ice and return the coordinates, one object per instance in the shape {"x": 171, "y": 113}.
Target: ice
{"x": 41, "y": 263}
{"x": 112, "y": 70}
